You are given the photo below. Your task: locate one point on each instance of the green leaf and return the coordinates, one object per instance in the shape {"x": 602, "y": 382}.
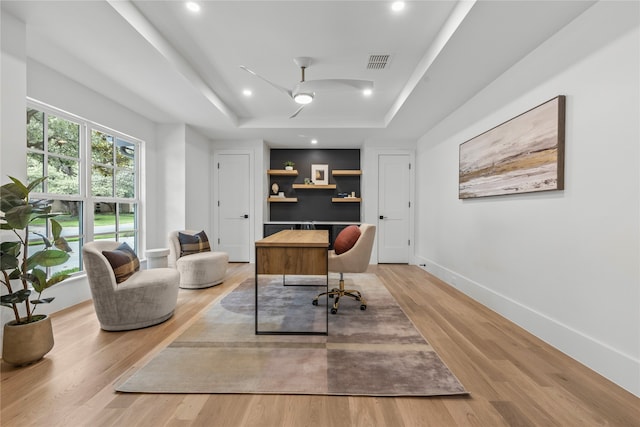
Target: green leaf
{"x": 13, "y": 194}
{"x": 9, "y": 200}
{"x": 15, "y": 274}
{"x": 56, "y": 229}
{"x": 47, "y": 242}
{"x": 42, "y": 301}
{"x": 8, "y": 262}
{"x": 33, "y": 184}
{"x": 47, "y": 258}
{"x": 61, "y": 243}
{"x": 18, "y": 217}
{"x": 38, "y": 279}
{"x": 56, "y": 279}
{"x": 15, "y": 298}
{"x": 21, "y": 187}
{"x": 11, "y": 248}
{"x": 9, "y": 255}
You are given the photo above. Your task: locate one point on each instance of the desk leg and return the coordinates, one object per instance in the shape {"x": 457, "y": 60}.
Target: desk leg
{"x": 255, "y": 316}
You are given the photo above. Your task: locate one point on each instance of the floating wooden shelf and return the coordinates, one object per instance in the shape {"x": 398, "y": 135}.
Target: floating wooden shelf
{"x": 346, "y": 199}
{"x": 347, "y": 172}
{"x": 314, "y": 187}
{"x": 282, "y": 172}
{"x": 282, "y": 199}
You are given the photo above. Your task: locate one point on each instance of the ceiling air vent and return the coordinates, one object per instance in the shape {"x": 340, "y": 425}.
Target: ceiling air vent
{"x": 378, "y": 62}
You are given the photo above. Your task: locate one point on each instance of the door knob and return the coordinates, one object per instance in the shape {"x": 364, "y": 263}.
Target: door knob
{"x": 244, "y": 216}
{"x": 382, "y": 217}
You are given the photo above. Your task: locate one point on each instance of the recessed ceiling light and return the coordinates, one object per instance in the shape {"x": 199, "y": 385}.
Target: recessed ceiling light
{"x": 314, "y": 141}
{"x": 397, "y": 6}
{"x": 367, "y": 92}
{"x": 193, "y": 6}
{"x": 247, "y": 92}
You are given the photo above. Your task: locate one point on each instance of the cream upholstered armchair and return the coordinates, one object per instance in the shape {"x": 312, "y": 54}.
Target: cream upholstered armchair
{"x": 141, "y": 298}
{"x": 351, "y": 254}
{"x": 199, "y": 267}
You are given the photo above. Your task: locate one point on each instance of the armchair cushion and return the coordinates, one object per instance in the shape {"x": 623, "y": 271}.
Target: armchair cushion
{"x": 346, "y": 239}
{"x": 123, "y": 261}
{"x": 193, "y": 244}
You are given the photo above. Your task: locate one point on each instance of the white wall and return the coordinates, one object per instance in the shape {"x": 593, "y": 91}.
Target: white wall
{"x": 564, "y": 265}
{"x": 13, "y": 104}
{"x": 171, "y": 181}
{"x": 198, "y": 182}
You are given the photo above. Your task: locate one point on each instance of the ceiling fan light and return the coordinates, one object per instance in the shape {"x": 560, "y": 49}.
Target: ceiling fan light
{"x": 193, "y": 6}
{"x": 397, "y": 6}
{"x": 367, "y": 92}
{"x": 303, "y": 98}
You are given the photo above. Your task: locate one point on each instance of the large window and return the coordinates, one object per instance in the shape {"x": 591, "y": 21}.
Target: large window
{"x": 92, "y": 180}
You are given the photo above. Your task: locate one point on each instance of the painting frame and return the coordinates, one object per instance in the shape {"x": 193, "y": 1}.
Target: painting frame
{"x": 320, "y": 174}
{"x": 524, "y": 154}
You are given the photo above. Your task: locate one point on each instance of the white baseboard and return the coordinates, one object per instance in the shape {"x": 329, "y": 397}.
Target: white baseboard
{"x": 618, "y": 367}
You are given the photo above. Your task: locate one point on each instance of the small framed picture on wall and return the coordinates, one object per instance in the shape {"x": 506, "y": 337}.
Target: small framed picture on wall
{"x": 320, "y": 174}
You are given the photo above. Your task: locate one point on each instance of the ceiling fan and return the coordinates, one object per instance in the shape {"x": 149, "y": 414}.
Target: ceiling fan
{"x": 304, "y": 92}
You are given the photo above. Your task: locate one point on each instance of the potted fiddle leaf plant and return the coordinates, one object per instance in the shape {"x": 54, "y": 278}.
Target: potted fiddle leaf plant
{"x": 29, "y": 336}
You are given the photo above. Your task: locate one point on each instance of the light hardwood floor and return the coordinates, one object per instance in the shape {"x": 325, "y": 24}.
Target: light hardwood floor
{"x": 513, "y": 378}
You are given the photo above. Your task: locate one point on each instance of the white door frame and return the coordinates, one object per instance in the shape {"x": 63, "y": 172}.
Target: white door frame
{"x": 214, "y": 199}
{"x": 370, "y": 192}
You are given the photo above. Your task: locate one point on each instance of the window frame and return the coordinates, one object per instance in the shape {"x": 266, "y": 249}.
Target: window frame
{"x": 85, "y": 196}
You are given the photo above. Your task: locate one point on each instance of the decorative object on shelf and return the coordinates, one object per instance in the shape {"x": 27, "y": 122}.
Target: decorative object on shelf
{"x": 281, "y": 194}
{"x": 29, "y": 336}
{"x": 307, "y": 181}
{"x": 275, "y": 188}
{"x": 288, "y": 165}
{"x": 320, "y": 174}
{"x": 522, "y": 155}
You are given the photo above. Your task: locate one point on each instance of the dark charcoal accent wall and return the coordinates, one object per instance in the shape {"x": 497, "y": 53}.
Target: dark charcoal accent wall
{"x": 315, "y": 205}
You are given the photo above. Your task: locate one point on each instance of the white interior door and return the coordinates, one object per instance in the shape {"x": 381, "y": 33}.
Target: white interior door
{"x": 233, "y": 206}
{"x": 394, "y": 184}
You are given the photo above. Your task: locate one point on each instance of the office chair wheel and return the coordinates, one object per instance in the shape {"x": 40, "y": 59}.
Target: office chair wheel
{"x": 315, "y": 301}
{"x": 334, "y": 310}
{"x": 363, "y": 306}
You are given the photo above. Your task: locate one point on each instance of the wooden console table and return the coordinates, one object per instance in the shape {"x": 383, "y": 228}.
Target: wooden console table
{"x": 293, "y": 252}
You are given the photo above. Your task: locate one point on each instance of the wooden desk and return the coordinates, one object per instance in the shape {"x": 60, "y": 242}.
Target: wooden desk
{"x": 293, "y": 252}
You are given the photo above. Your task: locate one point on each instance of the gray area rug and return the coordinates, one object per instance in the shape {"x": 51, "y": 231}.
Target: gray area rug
{"x": 375, "y": 352}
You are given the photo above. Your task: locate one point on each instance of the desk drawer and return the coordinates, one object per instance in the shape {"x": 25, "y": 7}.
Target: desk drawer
{"x": 283, "y": 260}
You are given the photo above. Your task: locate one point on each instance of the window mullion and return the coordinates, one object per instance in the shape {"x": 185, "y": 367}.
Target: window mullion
{"x": 85, "y": 185}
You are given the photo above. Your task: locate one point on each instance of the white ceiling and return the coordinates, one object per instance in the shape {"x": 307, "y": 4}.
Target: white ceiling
{"x": 171, "y": 65}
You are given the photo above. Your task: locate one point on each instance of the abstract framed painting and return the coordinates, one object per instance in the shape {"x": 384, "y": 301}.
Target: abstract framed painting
{"x": 522, "y": 155}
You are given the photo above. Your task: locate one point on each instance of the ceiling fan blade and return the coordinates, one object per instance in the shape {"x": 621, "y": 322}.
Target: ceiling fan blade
{"x": 334, "y": 84}
{"x": 298, "y": 111}
{"x": 275, "y": 85}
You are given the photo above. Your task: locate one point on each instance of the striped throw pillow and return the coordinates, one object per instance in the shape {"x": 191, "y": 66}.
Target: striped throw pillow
{"x": 193, "y": 244}
{"x": 124, "y": 262}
